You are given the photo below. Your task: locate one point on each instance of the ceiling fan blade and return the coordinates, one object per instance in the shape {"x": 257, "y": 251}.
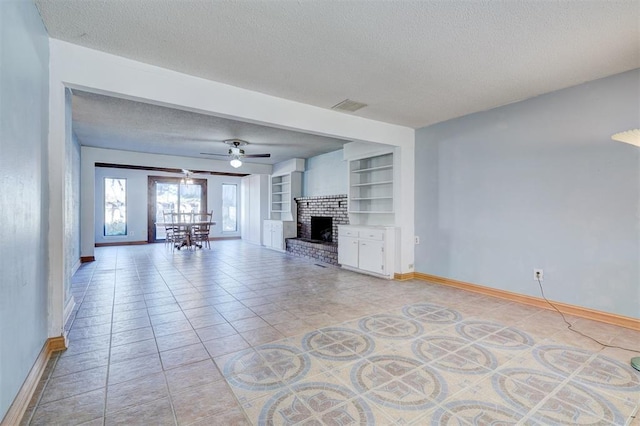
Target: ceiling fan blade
{"x": 210, "y": 153}
{"x": 256, "y": 155}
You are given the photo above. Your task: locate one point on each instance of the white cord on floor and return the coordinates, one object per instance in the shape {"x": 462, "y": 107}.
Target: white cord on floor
{"x": 570, "y": 326}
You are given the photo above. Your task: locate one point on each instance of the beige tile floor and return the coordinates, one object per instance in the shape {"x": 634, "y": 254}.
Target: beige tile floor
{"x": 243, "y": 335}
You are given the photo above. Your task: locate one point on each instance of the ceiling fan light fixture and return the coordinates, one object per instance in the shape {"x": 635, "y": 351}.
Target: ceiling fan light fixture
{"x": 235, "y": 163}
{"x": 630, "y": 136}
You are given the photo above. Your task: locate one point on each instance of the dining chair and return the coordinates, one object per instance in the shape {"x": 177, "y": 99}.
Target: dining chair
{"x": 181, "y": 235}
{"x": 200, "y": 232}
{"x": 168, "y": 227}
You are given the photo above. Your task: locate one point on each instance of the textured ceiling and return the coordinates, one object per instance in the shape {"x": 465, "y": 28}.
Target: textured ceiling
{"x": 113, "y": 123}
{"x": 414, "y": 62}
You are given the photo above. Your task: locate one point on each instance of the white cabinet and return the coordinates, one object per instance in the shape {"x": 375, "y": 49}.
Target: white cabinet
{"x": 347, "y": 247}
{"x": 276, "y": 231}
{"x": 254, "y": 206}
{"x": 367, "y": 249}
{"x": 371, "y": 256}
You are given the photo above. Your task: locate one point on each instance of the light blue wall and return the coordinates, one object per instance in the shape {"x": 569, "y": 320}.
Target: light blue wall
{"x": 325, "y": 174}
{"x": 24, "y": 63}
{"x": 540, "y": 184}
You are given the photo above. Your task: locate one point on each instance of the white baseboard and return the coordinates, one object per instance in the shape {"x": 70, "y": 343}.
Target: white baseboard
{"x": 68, "y": 309}
{"x": 76, "y": 266}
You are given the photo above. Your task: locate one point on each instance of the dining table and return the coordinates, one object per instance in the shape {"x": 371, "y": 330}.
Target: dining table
{"x": 187, "y": 226}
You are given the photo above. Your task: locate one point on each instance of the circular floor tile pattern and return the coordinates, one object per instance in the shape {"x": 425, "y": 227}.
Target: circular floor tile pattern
{"x": 454, "y": 354}
{"x": 338, "y": 344}
{"x": 398, "y": 382}
{"x": 476, "y": 413}
{"x": 559, "y": 402}
{"x": 494, "y": 335}
{"x": 390, "y": 326}
{"x": 267, "y": 367}
{"x": 597, "y": 370}
{"x": 433, "y": 314}
{"x": 316, "y": 403}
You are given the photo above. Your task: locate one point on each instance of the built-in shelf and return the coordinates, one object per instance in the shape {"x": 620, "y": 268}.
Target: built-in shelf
{"x": 371, "y": 185}
{"x": 283, "y": 189}
{"x": 370, "y": 169}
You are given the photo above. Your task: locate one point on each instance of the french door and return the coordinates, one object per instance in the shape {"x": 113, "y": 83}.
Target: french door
{"x": 169, "y": 194}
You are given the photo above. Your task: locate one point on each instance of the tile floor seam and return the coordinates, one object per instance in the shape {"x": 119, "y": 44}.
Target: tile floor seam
{"x": 158, "y": 351}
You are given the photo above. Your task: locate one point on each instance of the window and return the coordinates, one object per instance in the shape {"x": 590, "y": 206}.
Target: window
{"x": 115, "y": 207}
{"x": 229, "y": 207}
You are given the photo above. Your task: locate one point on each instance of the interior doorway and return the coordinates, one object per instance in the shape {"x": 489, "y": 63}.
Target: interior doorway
{"x": 171, "y": 194}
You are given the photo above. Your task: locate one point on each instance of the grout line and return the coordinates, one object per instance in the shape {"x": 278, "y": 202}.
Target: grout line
{"x": 155, "y": 339}
{"x": 113, "y": 304}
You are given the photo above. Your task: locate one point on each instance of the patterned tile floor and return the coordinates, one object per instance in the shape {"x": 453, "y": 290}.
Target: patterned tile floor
{"x": 243, "y": 335}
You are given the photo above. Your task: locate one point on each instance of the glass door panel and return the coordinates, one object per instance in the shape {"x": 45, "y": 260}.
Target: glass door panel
{"x": 190, "y": 198}
{"x": 166, "y": 201}
{"x": 168, "y": 195}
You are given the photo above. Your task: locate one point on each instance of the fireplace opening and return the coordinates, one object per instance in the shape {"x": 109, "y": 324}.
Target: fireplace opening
{"x": 322, "y": 228}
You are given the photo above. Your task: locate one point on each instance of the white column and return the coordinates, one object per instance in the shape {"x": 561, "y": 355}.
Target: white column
{"x": 56, "y": 240}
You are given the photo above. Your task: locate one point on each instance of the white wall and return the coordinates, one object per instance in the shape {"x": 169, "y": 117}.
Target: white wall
{"x": 325, "y": 174}
{"x": 24, "y": 62}
{"x": 537, "y": 184}
{"x": 137, "y": 202}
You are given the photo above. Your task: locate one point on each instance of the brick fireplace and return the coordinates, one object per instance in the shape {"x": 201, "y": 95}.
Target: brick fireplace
{"x": 326, "y": 212}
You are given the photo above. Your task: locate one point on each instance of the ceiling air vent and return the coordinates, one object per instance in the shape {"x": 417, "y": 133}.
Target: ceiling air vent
{"x": 348, "y": 105}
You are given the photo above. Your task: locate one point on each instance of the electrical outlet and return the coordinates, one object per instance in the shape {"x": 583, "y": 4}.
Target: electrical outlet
{"x": 538, "y": 274}
{"x": 417, "y": 239}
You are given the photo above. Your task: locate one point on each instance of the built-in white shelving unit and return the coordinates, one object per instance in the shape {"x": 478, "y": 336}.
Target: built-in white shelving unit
{"x": 284, "y": 186}
{"x": 281, "y": 198}
{"x": 371, "y": 185}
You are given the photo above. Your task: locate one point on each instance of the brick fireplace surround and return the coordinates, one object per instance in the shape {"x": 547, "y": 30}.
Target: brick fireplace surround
{"x": 334, "y": 206}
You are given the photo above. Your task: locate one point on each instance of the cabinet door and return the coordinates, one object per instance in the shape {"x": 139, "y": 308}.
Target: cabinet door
{"x": 266, "y": 234}
{"x": 277, "y": 236}
{"x": 370, "y": 256}
{"x": 348, "y": 251}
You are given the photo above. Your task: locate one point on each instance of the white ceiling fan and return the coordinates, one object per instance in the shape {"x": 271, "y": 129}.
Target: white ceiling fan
{"x": 236, "y": 153}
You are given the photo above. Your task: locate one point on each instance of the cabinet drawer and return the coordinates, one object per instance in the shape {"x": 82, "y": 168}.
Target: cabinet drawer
{"x": 349, "y": 232}
{"x": 372, "y": 234}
